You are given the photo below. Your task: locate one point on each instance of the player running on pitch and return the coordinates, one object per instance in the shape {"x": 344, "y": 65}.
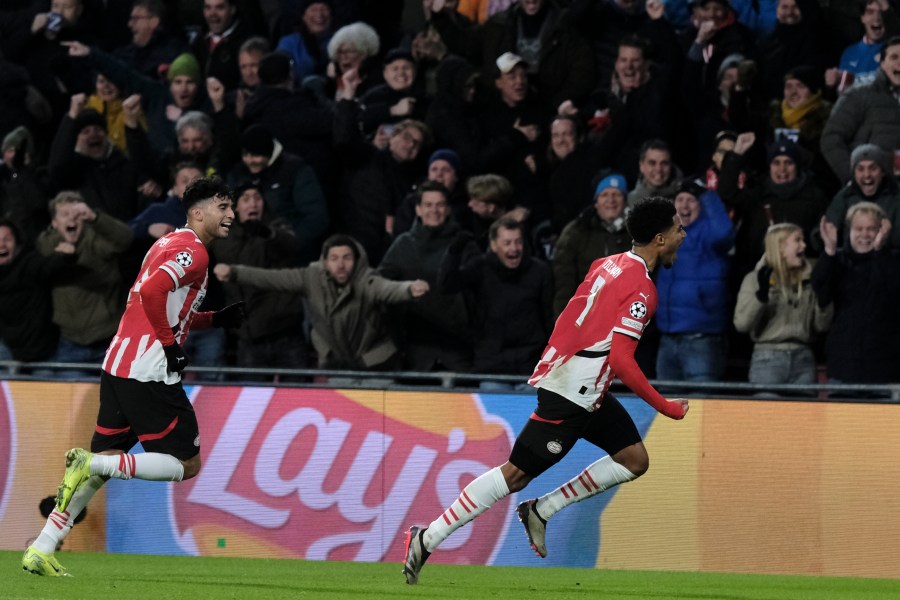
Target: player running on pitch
{"x": 593, "y": 342}
{"x": 141, "y": 396}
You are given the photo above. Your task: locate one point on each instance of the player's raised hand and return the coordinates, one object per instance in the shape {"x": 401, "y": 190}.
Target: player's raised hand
{"x": 677, "y": 409}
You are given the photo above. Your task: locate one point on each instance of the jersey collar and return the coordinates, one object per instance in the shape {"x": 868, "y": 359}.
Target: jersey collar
{"x": 634, "y": 256}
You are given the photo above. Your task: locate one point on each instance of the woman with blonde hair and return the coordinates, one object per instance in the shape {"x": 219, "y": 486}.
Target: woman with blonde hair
{"x": 777, "y": 307}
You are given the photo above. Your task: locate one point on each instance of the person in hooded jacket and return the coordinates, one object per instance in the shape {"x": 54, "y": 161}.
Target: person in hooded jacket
{"x": 346, "y": 300}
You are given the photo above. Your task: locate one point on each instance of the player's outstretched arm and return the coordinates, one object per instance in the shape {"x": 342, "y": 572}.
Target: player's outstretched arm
{"x": 621, "y": 359}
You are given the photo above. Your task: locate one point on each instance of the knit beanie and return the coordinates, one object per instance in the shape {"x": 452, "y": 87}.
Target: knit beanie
{"x": 448, "y": 155}
{"x": 808, "y": 76}
{"x": 873, "y": 153}
{"x": 185, "y": 64}
{"x": 783, "y": 148}
{"x": 88, "y": 117}
{"x": 615, "y": 181}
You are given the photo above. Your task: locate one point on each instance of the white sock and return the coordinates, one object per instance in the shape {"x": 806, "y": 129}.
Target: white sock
{"x": 151, "y": 466}
{"x": 600, "y": 476}
{"x": 475, "y": 498}
{"x": 60, "y": 524}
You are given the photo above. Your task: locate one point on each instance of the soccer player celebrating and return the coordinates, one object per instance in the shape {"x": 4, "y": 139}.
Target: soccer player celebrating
{"x": 141, "y": 397}
{"x": 593, "y": 341}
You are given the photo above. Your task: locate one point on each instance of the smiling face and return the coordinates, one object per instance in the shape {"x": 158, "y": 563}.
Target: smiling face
{"x": 250, "y": 205}
{"x": 610, "y": 204}
{"x": 339, "y": 263}
{"x": 212, "y": 218}
{"x": 106, "y": 89}
{"x": 782, "y": 169}
{"x": 630, "y": 68}
{"x": 219, "y": 15}
{"x": 796, "y": 92}
{"x": 873, "y": 22}
{"x": 788, "y": 13}
{"x": 793, "y": 250}
{"x": 509, "y": 246}
{"x": 890, "y": 64}
{"x": 687, "y": 207}
{"x": 562, "y": 137}
{"x": 317, "y": 18}
{"x": 444, "y": 173}
{"x": 7, "y": 245}
{"x": 868, "y": 176}
{"x": 399, "y": 74}
{"x": 863, "y": 229}
{"x": 432, "y": 209}
{"x": 92, "y": 142}
{"x": 405, "y": 144}
{"x": 656, "y": 167}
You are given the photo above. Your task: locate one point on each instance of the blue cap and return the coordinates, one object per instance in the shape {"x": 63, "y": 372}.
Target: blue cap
{"x": 612, "y": 181}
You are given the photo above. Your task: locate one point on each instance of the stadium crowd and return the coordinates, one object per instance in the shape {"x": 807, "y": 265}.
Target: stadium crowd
{"x": 421, "y": 184}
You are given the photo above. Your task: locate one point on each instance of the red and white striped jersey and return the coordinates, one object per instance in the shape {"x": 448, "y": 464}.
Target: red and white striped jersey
{"x": 135, "y": 352}
{"x": 617, "y": 295}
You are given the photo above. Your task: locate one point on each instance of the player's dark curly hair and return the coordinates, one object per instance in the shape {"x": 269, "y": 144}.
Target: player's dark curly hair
{"x": 205, "y": 188}
{"x": 649, "y": 217}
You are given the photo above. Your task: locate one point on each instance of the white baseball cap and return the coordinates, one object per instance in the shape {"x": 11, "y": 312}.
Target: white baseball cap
{"x": 507, "y": 61}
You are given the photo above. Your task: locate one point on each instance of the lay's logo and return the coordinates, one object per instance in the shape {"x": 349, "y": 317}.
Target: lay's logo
{"x": 336, "y": 475}
{"x": 7, "y": 446}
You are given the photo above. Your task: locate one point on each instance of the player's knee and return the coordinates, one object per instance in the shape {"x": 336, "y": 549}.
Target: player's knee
{"x": 191, "y": 467}
{"x": 516, "y": 479}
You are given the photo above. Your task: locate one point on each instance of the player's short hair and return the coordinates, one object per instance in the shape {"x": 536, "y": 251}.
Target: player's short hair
{"x": 341, "y": 239}
{"x": 432, "y": 186}
{"x": 505, "y": 223}
{"x": 648, "y": 218}
{"x": 203, "y": 189}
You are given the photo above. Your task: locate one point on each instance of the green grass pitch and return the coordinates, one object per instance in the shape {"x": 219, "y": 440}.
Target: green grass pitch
{"x": 127, "y": 577}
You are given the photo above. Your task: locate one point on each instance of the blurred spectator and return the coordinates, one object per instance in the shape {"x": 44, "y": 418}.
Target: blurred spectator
{"x": 635, "y": 106}
{"x": 759, "y": 16}
{"x": 490, "y": 197}
{"x": 161, "y": 218}
{"x": 872, "y": 181}
{"x": 512, "y": 298}
{"x": 443, "y": 167}
{"x": 658, "y": 176}
{"x": 478, "y": 11}
{"x": 352, "y": 48}
{"x": 289, "y": 185}
{"x": 712, "y": 109}
{"x": 399, "y": 97}
{"x": 162, "y": 105}
{"x": 597, "y": 232}
{"x": 308, "y": 45}
{"x": 216, "y": 48}
{"x": 272, "y": 333}
{"x": 374, "y": 181}
{"x": 860, "y": 281}
{"x": 21, "y": 104}
{"x": 346, "y": 299}
{"x": 436, "y": 331}
{"x": 573, "y": 162}
{"x": 786, "y": 195}
{"x": 694, "y": 303}
{"x": 724, "y": 143}
{"x": 23, "y": 185}
{"x": 152, "y": 46}
{"x": 83, "y": 158}
{"x": 865, "y": 114}
{"x": 107, "y": 100}
{"x": 88, "y": 298}
{"x": 859, "y": 61}
{"x": 792, "y": 43}
{"x": 302, "y": 125}
{"x": 560, "y": 62}
{"x": 778, "y": 308}
{"x": 250, "y": 56}
{"x": 716, "y": 35}
{"x": 27, "y": 331}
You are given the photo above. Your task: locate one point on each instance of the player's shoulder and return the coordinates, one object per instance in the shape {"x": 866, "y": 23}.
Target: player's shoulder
{"x": 184, "y": 247}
